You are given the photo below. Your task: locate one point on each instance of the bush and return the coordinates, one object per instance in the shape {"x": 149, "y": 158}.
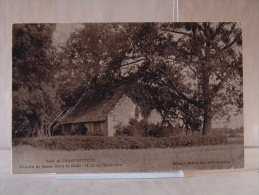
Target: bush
{"x": 119, "y": 142}
{"x": 121, "y": 130}
{"x": 158, "y": 131}
{"x": 142, "y": 129}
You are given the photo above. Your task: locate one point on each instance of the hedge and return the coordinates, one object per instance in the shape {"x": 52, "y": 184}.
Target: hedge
{"x": 99, "y": 142}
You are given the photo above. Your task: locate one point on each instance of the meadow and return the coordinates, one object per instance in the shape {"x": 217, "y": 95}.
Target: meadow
{"x": 26, "y": 158}
{"x": 92, "y": 154}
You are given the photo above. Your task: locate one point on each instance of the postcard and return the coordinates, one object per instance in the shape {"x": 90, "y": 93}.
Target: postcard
{"x": 127, "y": 97}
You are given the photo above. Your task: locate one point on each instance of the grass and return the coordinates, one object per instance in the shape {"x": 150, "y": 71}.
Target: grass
{"x": 126, "y": 160}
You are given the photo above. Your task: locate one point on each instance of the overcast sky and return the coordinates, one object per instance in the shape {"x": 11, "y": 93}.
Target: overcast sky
{"x": 62, "y": 32}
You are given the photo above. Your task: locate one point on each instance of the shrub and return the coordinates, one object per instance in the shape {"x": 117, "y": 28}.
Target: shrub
{"x": 121, "y": 130}
{"x": 118, "y": 142}
{"x": 158, "y": 131}
{"x": 142, "y": 129}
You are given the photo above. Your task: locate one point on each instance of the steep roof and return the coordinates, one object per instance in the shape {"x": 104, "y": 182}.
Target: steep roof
{"x": 92, "y": 110}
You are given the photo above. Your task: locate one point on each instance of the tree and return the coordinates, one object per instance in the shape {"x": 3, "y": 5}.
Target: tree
{"x": 91, "y": 59}
{"x": 195, "y": 69}
{"x": 35, "y": 102}
{"x": 184, "y": 70}
{"x": 209, "y": 55}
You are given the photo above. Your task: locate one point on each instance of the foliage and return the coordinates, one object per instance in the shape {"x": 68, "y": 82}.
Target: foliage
{"x": 141, "y": 128}
{"x": 35, "y": 102}
{"x": 90, "y": 59}
{"x": 184, "y": 70}
{"x": 191, "y": 73}
{"x": 190, "y": 67}
{"x": 117, "y": 142}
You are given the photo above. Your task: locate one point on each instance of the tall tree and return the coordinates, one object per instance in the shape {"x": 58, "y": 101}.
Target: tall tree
{"x": 35, "y": 102}
{"x": 190, "y": 72}
{"x": 210, "y": 59}
{"x": 193, "y": 70}
{"x": 91, "y": 58}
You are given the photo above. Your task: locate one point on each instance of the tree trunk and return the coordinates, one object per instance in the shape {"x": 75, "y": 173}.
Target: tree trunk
{"x": 207, "y": 114}
{"x": 145, "y": 119}
{"x": 207, "y": 118}
{"x": 41, "y": 131}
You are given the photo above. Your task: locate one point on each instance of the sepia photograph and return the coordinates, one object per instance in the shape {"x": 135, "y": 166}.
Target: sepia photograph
{"x": 127, "y": 97}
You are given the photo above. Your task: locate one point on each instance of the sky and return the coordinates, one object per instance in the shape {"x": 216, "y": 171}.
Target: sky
{"x": 235, "y": 122}
{"x": 62, "y": 32}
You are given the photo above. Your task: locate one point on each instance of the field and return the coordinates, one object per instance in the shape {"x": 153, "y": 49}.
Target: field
{"x": 28, "y": 159}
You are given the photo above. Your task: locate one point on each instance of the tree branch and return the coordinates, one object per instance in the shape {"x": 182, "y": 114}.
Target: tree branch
{"x": 193, "y": 102}
{"x": 220, "y": 85}
{"x": 133, "y": 62}
{"x": 195, "y": 72}
{"x": 177, "y": 32}
{"x": 218, "y": 30}
{"x": 230, "y": 44}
